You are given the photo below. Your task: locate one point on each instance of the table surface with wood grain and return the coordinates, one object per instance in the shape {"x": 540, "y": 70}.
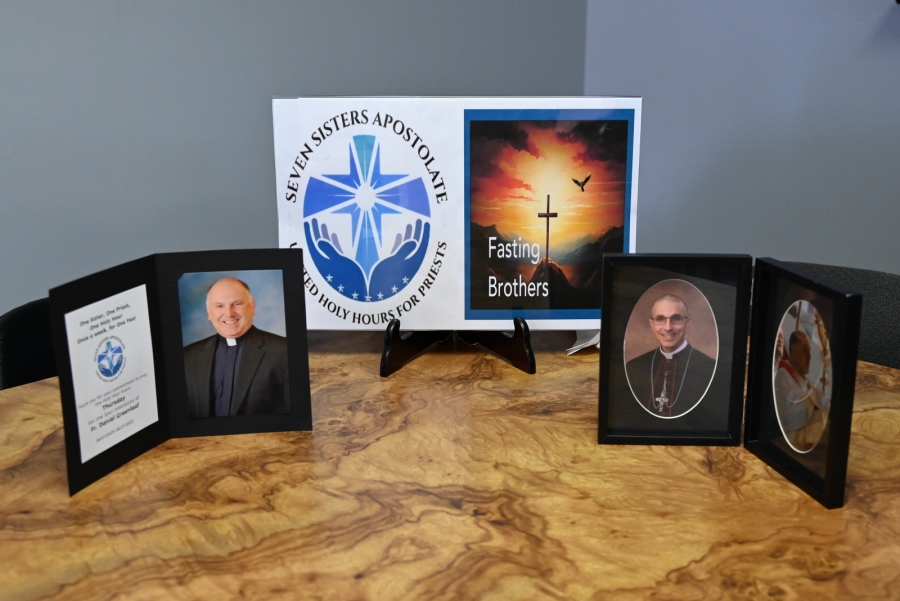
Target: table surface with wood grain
{"x": 458, "y": 477}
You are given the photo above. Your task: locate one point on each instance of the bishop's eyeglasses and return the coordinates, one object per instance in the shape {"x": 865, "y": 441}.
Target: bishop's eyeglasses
{"x": 675, "y": 320}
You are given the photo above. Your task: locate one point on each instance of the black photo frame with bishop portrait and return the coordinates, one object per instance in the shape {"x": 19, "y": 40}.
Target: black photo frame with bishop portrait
{"x": 673, "y": 348}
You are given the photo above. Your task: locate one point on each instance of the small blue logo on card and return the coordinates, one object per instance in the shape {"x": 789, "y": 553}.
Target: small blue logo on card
{"x": 110, "y": 358}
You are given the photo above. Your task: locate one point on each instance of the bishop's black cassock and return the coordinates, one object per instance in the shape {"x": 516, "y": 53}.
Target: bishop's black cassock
{"x": 670, "y": 387}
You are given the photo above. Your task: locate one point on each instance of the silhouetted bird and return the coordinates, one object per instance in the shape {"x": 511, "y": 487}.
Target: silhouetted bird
{"x": 581, "y": 184}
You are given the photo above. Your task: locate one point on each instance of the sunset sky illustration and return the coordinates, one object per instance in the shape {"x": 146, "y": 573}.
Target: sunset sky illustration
{"x": 516, "y": 164}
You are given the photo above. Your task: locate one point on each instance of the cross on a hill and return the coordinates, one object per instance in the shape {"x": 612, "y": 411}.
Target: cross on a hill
{"x": 547, "y": 216}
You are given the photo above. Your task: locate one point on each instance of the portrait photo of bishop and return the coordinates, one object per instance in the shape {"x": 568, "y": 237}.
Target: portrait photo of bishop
{"x": 671, "y": 349}
{"x": 802, "y": 376}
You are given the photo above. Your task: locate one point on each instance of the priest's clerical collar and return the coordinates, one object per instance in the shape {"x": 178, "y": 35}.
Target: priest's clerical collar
{"x": 678, "y": 350}
{"x": 234, "y": 341}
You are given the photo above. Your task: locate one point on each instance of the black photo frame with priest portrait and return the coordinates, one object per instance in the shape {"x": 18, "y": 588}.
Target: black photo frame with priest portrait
{"x": 270, "y": 381}
{"x": 119, "y": 345}
{"x": 673, "y": 348}
{"x": 802, "y": 376}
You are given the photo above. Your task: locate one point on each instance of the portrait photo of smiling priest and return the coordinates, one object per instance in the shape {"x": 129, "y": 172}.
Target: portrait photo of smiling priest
{"x": 240, "y": 369}
{"x": 671, "y": 378}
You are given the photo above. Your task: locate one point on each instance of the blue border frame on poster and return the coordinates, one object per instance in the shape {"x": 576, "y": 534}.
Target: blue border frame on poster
{"x": 542, "y": 115}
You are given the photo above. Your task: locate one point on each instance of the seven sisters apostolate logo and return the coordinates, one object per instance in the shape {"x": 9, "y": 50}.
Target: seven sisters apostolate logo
{"x": 365, "y": 187}
{"x": 389, "y": 225}
{"x": 110, "y": 358}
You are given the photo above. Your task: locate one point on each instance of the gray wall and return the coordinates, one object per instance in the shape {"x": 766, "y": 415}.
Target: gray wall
{"x": 769, "y": 127}
{"x": 128, "y": 128}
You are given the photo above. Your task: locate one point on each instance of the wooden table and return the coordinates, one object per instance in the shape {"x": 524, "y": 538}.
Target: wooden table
{"x": 458, "y": 477}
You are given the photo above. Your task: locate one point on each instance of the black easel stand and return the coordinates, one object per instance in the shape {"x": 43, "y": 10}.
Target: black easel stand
{"x": 400, "y": 350}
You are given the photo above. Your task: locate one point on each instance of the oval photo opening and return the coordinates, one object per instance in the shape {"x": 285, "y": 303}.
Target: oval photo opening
{"x": 671, "y": 349}
{"x": 801, "y": 376}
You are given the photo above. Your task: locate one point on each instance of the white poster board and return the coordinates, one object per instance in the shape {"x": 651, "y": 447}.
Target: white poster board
{"x": 456, "y": 213}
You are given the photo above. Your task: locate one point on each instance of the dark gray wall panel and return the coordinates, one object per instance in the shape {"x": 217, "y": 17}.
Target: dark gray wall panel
{"x": 128, "y": 128}
{"x": 769, "y": 127}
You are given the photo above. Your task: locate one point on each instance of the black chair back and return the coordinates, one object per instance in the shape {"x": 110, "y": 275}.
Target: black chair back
{"x": 26, "y": 345}
{"x": 879, "y": 334}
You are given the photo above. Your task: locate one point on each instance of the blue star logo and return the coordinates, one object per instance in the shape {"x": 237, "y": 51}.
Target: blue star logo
{"x": 110, "y": 359}
{"x": 366, "y": 228}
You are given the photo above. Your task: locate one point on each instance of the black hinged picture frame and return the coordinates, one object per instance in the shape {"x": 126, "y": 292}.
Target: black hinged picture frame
{"x": 673, "y": 348}
{"x": 122, "y": 338}
{"x": 801, "y": 377}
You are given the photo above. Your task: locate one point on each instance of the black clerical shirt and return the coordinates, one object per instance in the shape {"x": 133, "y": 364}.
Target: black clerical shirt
{"x": 225, "y": 365}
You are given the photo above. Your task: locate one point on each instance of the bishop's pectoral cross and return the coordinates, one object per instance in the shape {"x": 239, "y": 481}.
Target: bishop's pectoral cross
{"x": 547, "y": 216}
{"x": 661, "y": 402}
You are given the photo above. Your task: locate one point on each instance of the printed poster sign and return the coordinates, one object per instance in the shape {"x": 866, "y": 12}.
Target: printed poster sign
{"x": 456, "y": 213}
